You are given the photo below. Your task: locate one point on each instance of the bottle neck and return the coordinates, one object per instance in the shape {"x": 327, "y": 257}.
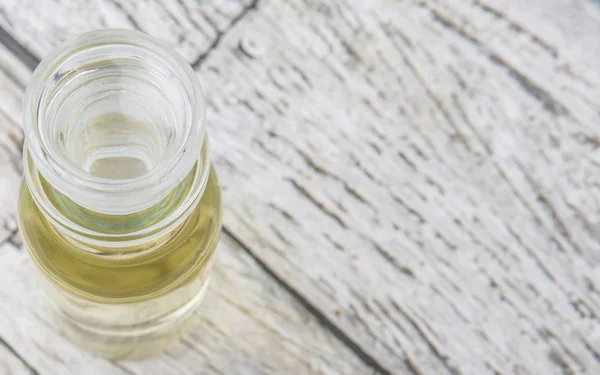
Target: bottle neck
{"x": 130, "y": 233}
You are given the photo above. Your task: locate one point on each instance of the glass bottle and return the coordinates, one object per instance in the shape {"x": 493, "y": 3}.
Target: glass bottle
{"x": 120, "y": 208}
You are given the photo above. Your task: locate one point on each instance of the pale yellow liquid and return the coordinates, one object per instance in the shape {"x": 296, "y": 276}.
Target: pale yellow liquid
{"x": 123, "y": 306}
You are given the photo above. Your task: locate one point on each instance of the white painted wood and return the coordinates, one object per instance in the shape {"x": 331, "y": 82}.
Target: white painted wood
{"x": 191, "y": 26}
{"x": 567, "y": 27}
{"x": 423, "y": 172}
{"x": 11, "y": 364}
{"x": 250, "y": 324}
{"x": 13, "y": 78}
{"x": 427, "y": 185}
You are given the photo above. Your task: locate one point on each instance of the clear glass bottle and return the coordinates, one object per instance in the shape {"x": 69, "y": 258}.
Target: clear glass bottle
{"x": 120, "y": 208}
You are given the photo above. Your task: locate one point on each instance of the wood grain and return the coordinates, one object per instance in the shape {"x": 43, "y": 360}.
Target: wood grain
{"x": 423, "y": 173}
{"x": 191, "y": 26}
{"x": 13, "y": 78}
{"x": 250, "y": 324}
{"x": 11, "y": 364}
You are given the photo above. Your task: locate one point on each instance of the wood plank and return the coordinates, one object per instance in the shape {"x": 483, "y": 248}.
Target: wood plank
{"x": 26, "y": 327}
{"x": 565, "y": 27}
{"x": 423, "y": 172}
{"x": 191, "y": 26}
{"x": 13, "y": 78}
{"x": 250, "y": 323}
{"x": 430, "y": 191}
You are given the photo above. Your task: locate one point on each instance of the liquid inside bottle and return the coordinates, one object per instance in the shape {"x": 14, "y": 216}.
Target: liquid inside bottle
{"x": 120, "y": 306}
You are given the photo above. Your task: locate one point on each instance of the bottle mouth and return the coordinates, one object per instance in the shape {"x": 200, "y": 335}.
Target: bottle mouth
{"x": 114, "y": 120}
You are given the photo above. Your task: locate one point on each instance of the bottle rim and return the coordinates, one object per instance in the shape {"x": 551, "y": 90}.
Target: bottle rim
{"x": 104, "y": 195}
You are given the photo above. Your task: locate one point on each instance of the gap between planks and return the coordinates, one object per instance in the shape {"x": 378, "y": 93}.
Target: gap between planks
{"x": 16, "y": 354}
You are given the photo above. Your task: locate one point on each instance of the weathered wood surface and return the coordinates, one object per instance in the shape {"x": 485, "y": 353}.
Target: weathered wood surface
{"x": 13, "y": 78}
{"x": 423, "y": 174}
{"x": 250, "y": 323}
{"x": 191, "y": 26}
{"x": 10, "y": 363}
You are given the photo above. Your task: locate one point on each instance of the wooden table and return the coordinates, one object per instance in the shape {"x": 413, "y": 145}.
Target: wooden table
{"x": 410, "y": 186}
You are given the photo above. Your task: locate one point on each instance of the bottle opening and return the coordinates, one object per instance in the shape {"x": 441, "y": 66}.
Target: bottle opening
{"x": 116, "y": 112}
{"x": 114, "y": 120}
